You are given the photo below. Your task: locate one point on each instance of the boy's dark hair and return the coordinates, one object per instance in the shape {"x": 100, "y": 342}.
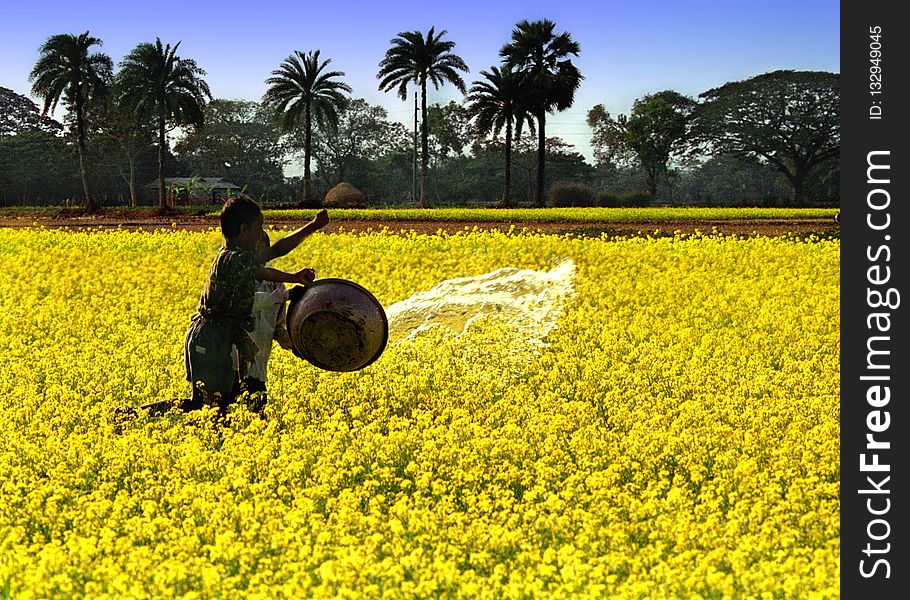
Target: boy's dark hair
{"x": 236, "y": 212}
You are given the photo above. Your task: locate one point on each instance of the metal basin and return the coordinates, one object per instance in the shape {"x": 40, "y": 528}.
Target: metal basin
{"x": 337, "y": 325}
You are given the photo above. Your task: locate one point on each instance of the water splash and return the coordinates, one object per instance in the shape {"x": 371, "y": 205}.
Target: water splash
{"x": 526, "y": 300}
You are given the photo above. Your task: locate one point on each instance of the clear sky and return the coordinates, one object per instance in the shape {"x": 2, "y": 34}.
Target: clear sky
{"x": 628, "y": 49}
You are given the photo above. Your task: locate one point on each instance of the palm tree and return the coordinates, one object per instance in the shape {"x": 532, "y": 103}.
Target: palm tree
{"x": 415, "y": 58}
{"x": 66, "y": 68}
{"x": 300, "y": 88}
{"x": 157, "y": 84}
{"x": 499, "y": 102}
{"x": 543, "y": 55}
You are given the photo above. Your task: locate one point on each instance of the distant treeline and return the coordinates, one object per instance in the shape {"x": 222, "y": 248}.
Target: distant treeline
{"x": 41, "y": 167}
{"x": 771, "y": 140}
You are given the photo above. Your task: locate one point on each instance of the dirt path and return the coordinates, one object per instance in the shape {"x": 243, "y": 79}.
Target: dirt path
{"x": 133, "y": 220}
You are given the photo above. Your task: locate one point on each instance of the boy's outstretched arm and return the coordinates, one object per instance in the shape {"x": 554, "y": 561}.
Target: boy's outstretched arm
{"x": 303, "y": 276}
{"x": 292, "y": 240}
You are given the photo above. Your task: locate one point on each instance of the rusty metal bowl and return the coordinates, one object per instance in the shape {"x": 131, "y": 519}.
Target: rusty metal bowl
{"x": 337, "y": 325}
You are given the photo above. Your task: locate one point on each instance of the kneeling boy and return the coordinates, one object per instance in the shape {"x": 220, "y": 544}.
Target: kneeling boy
{"x": 223, "y": 315}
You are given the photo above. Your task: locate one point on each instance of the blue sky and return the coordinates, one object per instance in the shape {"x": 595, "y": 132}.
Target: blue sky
{"x": 627, "y": 49}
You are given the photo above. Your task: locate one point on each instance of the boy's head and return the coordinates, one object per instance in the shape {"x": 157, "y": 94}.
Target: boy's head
{"x": 241, "y": 222}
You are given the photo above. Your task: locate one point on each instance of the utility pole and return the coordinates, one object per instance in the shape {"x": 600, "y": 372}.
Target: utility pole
{"x": 414, "y": 176}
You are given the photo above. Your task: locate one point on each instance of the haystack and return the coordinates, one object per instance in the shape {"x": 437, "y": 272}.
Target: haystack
{"x": 345, "y": 195}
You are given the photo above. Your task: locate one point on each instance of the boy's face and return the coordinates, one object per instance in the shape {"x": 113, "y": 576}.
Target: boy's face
{"x": 250, "y": 234}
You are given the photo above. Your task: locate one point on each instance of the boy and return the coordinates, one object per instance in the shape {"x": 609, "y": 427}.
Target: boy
{"x": 269, "y": 323}
{"x": 223, "y": 316}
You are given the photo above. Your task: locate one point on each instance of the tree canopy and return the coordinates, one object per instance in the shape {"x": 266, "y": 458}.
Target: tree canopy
{"x": 302, "y": 90}
{"x": 655, "y": 130}
{"x": 788, "y": 120}
{"x": 157, "y": 84}
{"x": 68, "y": 70}
{"x": 544, "y": 57}
{"x": 353, "y": 150}
{"x": 241, "y": 143}
{"x": 417, "y": 58}
{"x": 19, "y": 114}
{"x": 500, "y": 100}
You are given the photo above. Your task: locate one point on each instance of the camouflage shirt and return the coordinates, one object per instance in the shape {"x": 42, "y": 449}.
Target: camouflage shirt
{"x": 231, "y": 285}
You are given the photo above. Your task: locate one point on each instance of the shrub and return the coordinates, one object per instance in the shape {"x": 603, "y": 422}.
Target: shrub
{"x": 633, "y": 199}
{"x": 607, "y": 200}
{"x": 565, "y": 194}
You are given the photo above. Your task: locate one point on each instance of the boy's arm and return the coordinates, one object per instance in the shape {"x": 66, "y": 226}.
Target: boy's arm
{"x": 304, "y": 276}
{"x": 292, "y": 240}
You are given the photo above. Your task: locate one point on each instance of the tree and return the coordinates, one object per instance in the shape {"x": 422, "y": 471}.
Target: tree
{"x": 156, "y": 84}
{"x": 787, "y": 119}
{"x": 544, "y": 56}
{"x": 727, "y": 180}
{"x": 300, "y": 88}
{"x": 608, "y": 138}
{"x": 68, "y": 70}
{"x": 655, "y": 130}
{"x": 37, "y": 167}
{"x": 19, "y": 114}
{"x": 501, "y": 101}
{"x": 449, "y": 126}
{"x": 123, "y": 134}
{"x": 363, "y": 135}
{"x": 449, "y": 134}
{"x": 241, "y": 143}
{"x": 415, "y": 58}
{"x": 565, "y": 163}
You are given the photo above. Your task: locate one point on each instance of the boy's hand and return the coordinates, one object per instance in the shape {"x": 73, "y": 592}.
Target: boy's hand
{"x": 305, "y": 276}
{"x": 321, "y": 219}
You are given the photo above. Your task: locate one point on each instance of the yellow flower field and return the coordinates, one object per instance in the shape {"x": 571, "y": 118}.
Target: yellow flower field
{"x": 675, "y": 434}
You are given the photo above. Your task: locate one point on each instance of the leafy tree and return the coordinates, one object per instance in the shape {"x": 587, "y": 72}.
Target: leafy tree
{"x": 157, "y": 84}
{"x": 68, "y": 70}
{"x": 450, "y": 134}
{"x": 122, "y": 134}
{"x": 544, "y": 56}
{"x": 390, "y": 176}
{"x": 416, "y": 58}
{"x": 450, "y": 128}
{"x": 786, "y": 119}
{"x": 301, "y": 88}
{"x": 655, "y": 130}
{"x": 608, "y": 138}
{"x": 728, "y": 180}
{"x": 37, "y": 167}
{"x": 19, "y": 114}
{"x": 565, "y": 163}
{"x": 241, "y": 143}
{"x": 362, "y": 137}
{"x": 501, "y": 101}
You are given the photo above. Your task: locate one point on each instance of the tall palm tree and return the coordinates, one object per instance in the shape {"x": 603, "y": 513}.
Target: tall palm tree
{"x": 156, "y": 83}
{"x": 501, "y": 101}
{"x": 301, "y": 88}
{"x": 67, "y": 69}
{"x": 415, "y": 58}
{"x": 544, "y": 56}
